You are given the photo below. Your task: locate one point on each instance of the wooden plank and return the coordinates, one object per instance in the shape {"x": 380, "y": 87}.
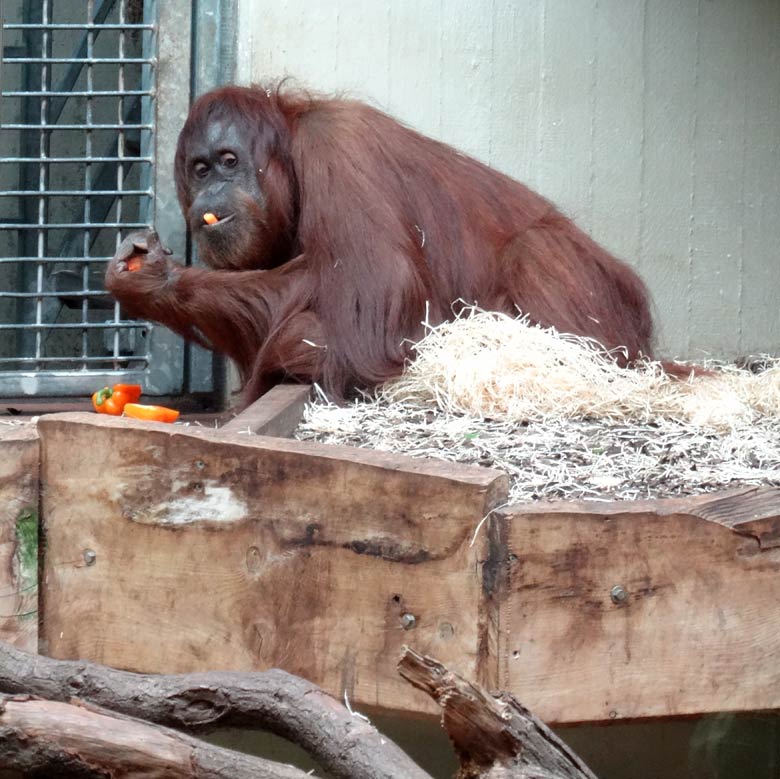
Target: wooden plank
{"x": 622, "y": 610}
{"x": 180, "y": 549}
{"x": 19, "y": 455}
{"x": 277, "y": 413}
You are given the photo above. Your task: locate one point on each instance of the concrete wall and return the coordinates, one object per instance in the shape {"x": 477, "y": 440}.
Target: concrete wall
{"x": 654, "y": 123}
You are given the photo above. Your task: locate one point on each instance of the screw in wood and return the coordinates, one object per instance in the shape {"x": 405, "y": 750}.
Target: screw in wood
{"x": 408, "y": 621}
{"x": 618, "y": 594}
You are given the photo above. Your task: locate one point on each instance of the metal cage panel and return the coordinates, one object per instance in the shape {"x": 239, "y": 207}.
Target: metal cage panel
{"x": 85, "y": 160}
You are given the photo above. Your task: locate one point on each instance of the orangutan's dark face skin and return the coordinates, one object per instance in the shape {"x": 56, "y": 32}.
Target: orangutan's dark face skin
{"x": 222, "y": 178}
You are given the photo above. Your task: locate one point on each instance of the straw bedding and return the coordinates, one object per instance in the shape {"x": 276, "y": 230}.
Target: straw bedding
{"x": 563, "y": 419}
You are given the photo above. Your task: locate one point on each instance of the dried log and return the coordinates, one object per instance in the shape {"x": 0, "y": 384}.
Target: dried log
{"x": 495, "y": 736}
{"x": 345, "y": 745}
{"x": 50, "y": 738}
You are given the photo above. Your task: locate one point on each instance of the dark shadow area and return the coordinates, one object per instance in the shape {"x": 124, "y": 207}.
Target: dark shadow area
{"x": 716, "y": 747}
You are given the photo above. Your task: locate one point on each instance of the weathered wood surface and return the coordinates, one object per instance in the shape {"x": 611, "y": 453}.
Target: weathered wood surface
{"x": 177, "y": 549}
{"x": 656, "y": 608}
{"x": 46, "y": 738}
{"x": 19, "y": 452}
{"x": 494, "y": 735}
{"x": 277, "y": 413}
{"x": 107, "y": 728}
{"x": 344, "y": 744}
{"x": 183, "y": 549}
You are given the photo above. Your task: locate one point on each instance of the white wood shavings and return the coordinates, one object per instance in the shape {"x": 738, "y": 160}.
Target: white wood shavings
{"x": 562, "y": 419}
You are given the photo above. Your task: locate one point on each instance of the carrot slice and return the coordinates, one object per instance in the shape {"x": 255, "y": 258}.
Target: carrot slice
{"x": 153, "y": 413}
{"x": 210, "y": 219}
{"x": 134, "y": 264}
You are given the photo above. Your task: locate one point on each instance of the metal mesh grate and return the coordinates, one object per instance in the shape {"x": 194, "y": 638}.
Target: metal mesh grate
{"x": 77, "y": 144}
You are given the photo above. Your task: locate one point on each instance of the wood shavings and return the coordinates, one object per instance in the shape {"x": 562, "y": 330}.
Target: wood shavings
{"x": 562, "y": 419}
{"x": 490, "y": 365}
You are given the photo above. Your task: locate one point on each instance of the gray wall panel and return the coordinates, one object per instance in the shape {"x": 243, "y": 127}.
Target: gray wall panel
{"x": 654, "y": 123}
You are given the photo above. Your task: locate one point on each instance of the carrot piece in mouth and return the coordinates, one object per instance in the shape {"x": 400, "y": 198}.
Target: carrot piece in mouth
{"x": 210, "y": 219}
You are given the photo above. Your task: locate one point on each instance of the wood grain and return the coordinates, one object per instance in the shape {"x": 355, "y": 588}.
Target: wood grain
{"x": 175, "y": 549}
{"x": 277, "y": 413}
{"x": 19, "y": 452}
{"x": 494, "y": 735}
{"x": 48, "y": 738}
{"x": 691, "y": 628}
{"x": 344, "y": 745}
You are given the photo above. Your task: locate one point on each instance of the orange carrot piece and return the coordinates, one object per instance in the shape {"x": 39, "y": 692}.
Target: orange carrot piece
{"x": 153, "y": 413}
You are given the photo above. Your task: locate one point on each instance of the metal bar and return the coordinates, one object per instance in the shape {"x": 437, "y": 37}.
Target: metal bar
{"x": 76, "y": 26}
{"x": 70, "y": 226}
{"x": 78, "y": 93}
{"x": 81, "y": 60}
{"x": 94, "y": 293}
{"x": 120, "y": 145}
{"x": 28, "y": 143}
{"x": 72, "y": 192}
{"x": 71, "y": 382}
{"x": 58, "y": 260}
{"x": 2, "y": 41}
{"x": 60, "y": 160}
{"x": 43, "y": 171}
{"x": 106, "y": 175}
{"x": 133, "y": 325}
{"x": 70, "y": 77}
{"x": 87, "y": 185}
{"x": 78, "y": 360}
{"x": 78, "y": 127}
{"x": 56, "y": 255}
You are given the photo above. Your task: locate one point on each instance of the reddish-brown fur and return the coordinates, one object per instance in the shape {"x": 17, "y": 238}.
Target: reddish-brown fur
{"x": 367, "y": 225}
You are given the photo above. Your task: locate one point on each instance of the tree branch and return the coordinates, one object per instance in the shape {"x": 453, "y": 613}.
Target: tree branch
{"x": 63, "y": 739}
{"x": 346, "y": 746}
{"x": 493, "y": 735}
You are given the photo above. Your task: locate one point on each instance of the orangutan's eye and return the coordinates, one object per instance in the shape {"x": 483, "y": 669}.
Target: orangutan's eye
{"x": 228, "y": 159}
{"x": 200, "y": 169}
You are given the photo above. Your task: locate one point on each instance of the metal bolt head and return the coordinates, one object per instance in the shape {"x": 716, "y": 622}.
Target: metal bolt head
{"x": 618, "y": 594}
{"x": 408, "y": 621}
{"x": 90, "y": 556}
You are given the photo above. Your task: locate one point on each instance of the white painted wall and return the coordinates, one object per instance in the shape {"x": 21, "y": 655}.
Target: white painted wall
{"x": 654, "y": 123}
